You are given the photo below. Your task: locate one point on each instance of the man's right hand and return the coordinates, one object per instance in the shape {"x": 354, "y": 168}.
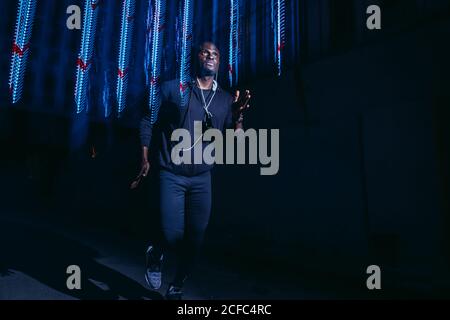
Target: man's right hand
{"x": 145, "y": 168}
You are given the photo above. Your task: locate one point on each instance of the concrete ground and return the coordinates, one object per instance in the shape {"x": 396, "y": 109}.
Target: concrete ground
{"x": 35, "y": 257}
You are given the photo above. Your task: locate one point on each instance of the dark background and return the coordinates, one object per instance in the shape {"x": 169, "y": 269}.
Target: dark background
{"x": 364, "y": 143}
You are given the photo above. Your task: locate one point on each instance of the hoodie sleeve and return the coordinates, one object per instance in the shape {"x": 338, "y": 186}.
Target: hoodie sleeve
{"x": 146, "y": 126}
{"x": 146, "y": 130}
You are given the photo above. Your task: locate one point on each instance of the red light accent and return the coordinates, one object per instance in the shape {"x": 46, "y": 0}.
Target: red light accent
{"x": 121, "y": 73}
{"x": 20, "y": 52}
{"x": 82, "y": 65}
{"x": 154, "y": 80}
{"x": 94, "y": 5}
{"x": 183, "y": 87}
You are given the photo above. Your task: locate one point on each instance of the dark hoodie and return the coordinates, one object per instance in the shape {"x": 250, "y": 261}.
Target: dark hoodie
{"x": 173, "y": 116}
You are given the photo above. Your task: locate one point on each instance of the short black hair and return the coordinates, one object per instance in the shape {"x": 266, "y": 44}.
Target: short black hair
{"x": 200, "y": 45}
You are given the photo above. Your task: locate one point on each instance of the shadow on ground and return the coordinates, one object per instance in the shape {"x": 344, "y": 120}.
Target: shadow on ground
{"x": 45, "y": 255}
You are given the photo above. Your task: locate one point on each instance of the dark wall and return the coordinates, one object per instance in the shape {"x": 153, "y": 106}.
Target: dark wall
{"x": 379, "y": 104}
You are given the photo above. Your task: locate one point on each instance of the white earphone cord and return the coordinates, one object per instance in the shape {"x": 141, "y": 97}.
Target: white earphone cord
{"x": 190, "y": 148}
{"x": 207, "y": 111}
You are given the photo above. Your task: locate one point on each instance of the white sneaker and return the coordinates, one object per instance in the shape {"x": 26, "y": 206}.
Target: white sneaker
{"x": 153, "y": 268}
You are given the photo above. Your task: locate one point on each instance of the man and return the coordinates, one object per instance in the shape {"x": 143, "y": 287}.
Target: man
{"x": 185, "y": 189}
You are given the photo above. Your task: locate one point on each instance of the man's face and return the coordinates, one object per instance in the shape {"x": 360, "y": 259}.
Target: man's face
{"x": 209, "y": 59}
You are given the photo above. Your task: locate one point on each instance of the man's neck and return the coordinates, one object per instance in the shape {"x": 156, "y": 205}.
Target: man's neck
{"x": 205, "y": 82}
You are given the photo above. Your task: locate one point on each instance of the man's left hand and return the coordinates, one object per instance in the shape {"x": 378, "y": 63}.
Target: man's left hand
{"x": 240, "y": 103}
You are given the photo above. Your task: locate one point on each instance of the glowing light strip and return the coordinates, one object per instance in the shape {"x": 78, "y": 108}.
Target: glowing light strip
{"x": 233, "y": 64}
{"x": 85, "y": 57}
{"x": 179, "y": 33}
{"x": 148, "y": 43}
{"x": 20, "y": 49}
{"x": 279, "y": 19}
{"x": 157, "y": 38}
{"x": 186, "y": 47}
{"x": 126, "y": 35}
{"x": 105, "y": 95}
